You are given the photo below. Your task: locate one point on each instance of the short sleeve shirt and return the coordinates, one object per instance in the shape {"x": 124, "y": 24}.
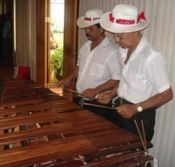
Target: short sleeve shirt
{"x": 97, "y": 66}
{"x": 144, "y": 75}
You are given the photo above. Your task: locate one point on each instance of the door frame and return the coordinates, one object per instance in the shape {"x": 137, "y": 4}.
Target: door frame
{"x": 70, "y": 39}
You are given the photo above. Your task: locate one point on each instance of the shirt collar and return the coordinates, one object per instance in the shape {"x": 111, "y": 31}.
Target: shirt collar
{"x": 136, "y": 52}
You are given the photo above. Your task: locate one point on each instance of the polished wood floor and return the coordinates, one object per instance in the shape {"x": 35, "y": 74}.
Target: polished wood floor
{"x": 6, "y": 71}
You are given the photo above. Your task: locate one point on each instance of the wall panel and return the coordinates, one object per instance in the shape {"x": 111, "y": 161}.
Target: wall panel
{"x": 26, "y": 35}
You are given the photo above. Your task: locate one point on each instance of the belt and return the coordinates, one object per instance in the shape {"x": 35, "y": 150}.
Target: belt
{"x": 80, "y": 100}
{"x": 119, "y": 101}
{"x": 91, "y": 102}
{"x": 124, "y": 101}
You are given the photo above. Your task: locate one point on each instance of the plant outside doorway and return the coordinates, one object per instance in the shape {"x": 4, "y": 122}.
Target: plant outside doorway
{"x": 56, "y": 40}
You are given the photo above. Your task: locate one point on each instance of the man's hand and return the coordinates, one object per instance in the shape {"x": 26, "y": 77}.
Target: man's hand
{"x": 127, "y": 110}
{"x": 67, "y": 81}
{"x": 105, "y": 97}
{"x": 64, "y": 83}
{"x": 89, "y": 93}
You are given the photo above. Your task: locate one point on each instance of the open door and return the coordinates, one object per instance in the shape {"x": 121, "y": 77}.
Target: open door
{"x": 56, "y": 41}
{"x": 70, "y": 38}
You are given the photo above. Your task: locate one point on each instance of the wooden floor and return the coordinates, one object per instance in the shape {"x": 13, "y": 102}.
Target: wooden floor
{"x": 6, "y": 71}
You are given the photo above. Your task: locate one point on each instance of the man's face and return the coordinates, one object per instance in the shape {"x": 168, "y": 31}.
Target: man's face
{"x": 126, "y": 40}
{"x": 93, "y": 32}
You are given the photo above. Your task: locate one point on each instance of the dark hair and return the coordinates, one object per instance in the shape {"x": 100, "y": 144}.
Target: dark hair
{"x": 98, "y": 25}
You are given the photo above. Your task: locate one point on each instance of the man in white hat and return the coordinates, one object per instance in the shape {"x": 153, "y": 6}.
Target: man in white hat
{"x": 144, "y": 85}
{"x": 98, "y": 66}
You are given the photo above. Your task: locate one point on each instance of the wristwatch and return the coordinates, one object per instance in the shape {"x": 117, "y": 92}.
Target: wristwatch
{"x": 139, "y": 108}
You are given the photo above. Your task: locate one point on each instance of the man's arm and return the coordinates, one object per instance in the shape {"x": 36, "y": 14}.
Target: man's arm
{"x": 128, "y": 110}
{"x": 106, "y": 86}
{"x": 66, "y": 82}
{"x": 106, "y": 96}
{"x": 158, "y": 100}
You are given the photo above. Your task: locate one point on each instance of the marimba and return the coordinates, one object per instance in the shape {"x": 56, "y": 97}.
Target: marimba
{"x": 39, "y": 128}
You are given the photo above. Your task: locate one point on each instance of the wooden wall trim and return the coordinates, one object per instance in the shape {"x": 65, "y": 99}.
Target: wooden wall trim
{"x": 70, "y": 36}
{"x": 41, "y": 56}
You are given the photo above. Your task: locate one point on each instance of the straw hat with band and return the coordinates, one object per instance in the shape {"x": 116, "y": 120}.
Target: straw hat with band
{"x": 91, "y": 17}
{"x": 123, "y": 18}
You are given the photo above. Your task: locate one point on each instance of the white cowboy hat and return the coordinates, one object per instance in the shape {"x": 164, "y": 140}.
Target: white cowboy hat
{"x": 91, "y": 17}
{"x": 123, "y": 18}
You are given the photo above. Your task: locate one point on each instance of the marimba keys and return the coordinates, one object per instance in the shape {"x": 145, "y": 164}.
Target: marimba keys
{"x": 48, "y": 130}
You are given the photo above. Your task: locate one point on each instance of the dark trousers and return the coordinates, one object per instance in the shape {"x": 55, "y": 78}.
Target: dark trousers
{"x": 146, "y": 116}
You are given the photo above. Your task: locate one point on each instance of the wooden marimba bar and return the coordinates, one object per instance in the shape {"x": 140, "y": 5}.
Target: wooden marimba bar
{"x": 39, "y": 128}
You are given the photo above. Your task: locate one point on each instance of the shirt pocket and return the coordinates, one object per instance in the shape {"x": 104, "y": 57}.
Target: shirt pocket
{"x": 96, "y": 71}
{"x": 137, "y": 82}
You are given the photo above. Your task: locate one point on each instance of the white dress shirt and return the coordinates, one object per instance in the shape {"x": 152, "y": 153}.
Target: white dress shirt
{"x": 97, "y": 66}
{"x": 144, "y": 75}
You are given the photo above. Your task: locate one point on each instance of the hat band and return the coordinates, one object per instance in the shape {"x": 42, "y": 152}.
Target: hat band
{"x": 141, "y": 16}
{"x": 91, "y": 19}
{"x": 120, "y": 21}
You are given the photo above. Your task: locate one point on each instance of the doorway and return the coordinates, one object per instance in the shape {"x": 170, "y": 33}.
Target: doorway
{"x": 6, "y": 32}
{"x": 56, "y": 40}
{"x": 70, "y": 39}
